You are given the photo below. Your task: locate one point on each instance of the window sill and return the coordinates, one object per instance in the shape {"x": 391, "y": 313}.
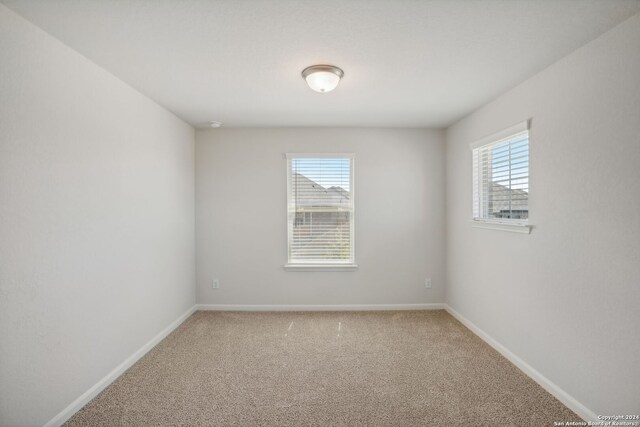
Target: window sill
{"x": 514, "y": 228}
{"x": 320, "y": 267}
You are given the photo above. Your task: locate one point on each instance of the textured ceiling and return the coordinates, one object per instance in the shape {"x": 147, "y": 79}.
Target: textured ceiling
{"x": 406, "y": 63}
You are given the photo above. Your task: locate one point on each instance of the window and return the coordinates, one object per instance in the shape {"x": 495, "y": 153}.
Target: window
{"x": 320, "y": 210}
{"x": 501, "y": 177}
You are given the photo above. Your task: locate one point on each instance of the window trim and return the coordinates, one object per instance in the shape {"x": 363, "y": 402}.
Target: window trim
{"x": 320, "y": 267}
{"x": 497, "y": 224}
{"x": 324, "y": 266}
{"x": 504, "y": 133}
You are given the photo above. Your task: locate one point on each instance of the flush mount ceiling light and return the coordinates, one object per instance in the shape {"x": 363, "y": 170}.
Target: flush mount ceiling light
{"x": 215, "y": 124}
{"x": 322, "y": 78}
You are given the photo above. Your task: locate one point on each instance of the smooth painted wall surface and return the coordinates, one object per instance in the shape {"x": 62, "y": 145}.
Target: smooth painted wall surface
{"x": 241, "y": 216}
{"x": 96, "y": 222}
{"x": 566, "y": 297}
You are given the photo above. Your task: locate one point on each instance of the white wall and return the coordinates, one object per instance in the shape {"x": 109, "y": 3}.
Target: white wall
{"x": 242, "y": 222}
{"x": 96, "y": 222}
{"x": 566, "y": 298}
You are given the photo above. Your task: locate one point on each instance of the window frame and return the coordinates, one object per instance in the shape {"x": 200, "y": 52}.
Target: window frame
{"x": 514, "y": 225}
{"x": 315, "y": 265}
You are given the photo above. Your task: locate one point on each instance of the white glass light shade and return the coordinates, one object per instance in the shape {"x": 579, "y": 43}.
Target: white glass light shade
{"x": 322, "y": 78}
{"x": 322, "y": 81}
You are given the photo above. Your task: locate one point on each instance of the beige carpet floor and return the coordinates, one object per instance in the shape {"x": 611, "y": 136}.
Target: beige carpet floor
{"x": 408, "y": 368}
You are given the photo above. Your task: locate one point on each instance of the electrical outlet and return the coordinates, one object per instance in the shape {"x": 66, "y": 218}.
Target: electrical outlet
{"x": 427, "y": 283}
{"x": 215, "y": 284}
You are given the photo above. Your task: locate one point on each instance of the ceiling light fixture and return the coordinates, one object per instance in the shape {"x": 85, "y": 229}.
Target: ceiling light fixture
{"x": 215, "y": 124}
{"x": 322, "y": 78}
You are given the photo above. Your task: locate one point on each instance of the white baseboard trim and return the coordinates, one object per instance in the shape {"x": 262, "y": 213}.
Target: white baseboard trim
{"x": 77, "y": 404}
{"x": 564, "y": 397}
{"x": 331, "y": 307}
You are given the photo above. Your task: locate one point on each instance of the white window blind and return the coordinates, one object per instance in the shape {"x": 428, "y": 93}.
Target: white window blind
{"x": 501, "y": 179}
{"x": 320, "y": 209}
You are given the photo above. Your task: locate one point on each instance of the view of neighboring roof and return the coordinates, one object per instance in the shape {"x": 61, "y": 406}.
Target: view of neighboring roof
{"x": 503, "y": 199}
{"x": 308, "y": 193}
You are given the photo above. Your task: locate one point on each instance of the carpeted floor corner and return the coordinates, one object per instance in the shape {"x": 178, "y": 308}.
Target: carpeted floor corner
{"x": 402, "y": 368}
